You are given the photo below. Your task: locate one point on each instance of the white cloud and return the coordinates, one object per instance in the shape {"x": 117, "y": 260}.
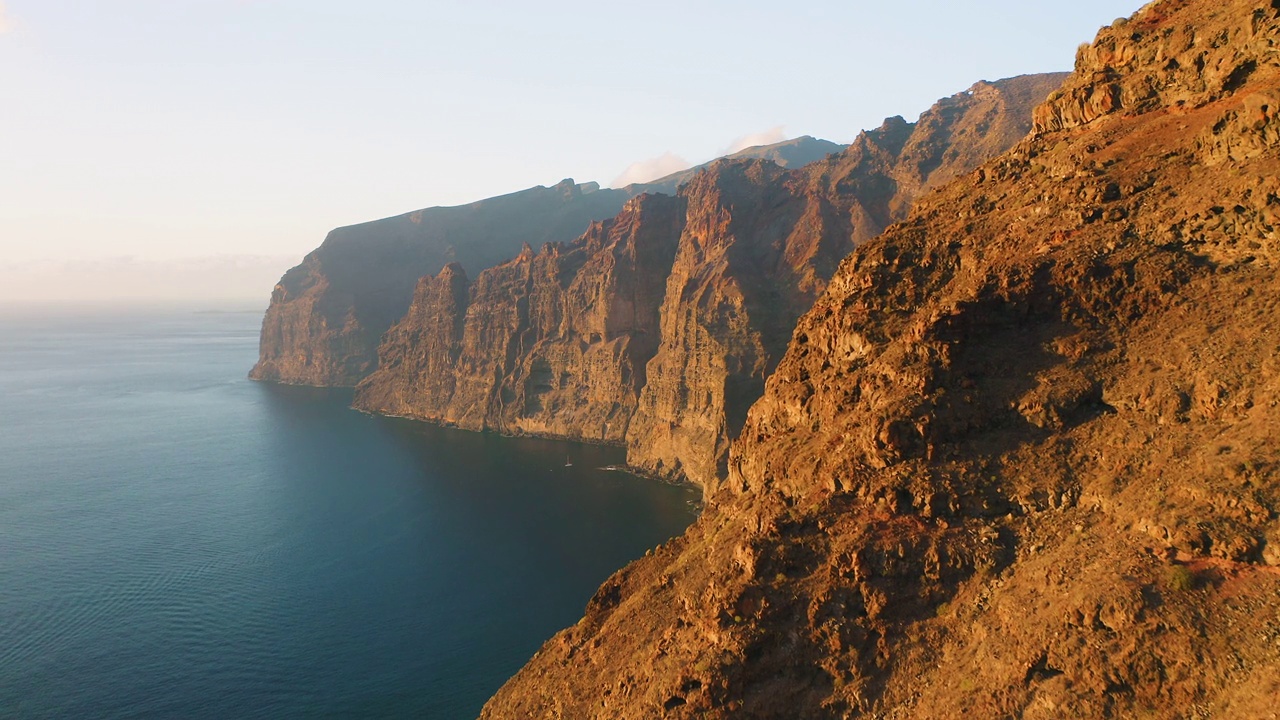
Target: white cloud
{"x": 651, "y": 169}
{"x": 768, "y": 137}
{"x": 668, "y": 162}
{"x": 6, "y": 24}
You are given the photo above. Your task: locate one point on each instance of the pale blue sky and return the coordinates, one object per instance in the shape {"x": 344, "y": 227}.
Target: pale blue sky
{"x": 144, "y": 133}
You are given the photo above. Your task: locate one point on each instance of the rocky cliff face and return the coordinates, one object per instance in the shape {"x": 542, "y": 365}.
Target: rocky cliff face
{"x": 328, "y": 314}
{"x": 758, "y": 249}
{"x": 794, "y": 153}
{"x": 658, "y": 328}
{"x": 548, "y": 343}
{"x": 729, "y": 298}
{"x": 1020, "y": 458}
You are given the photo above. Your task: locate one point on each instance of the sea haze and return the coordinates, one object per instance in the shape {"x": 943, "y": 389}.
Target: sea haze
{"x": 177, "y": 541}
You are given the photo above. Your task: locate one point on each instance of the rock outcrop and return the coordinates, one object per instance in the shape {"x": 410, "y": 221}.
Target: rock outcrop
{"x": 657, "y": 329}
{"x": 1022, "y": 457}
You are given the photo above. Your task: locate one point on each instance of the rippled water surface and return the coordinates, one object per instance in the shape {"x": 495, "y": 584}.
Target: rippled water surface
{"x": 177, "y": 541}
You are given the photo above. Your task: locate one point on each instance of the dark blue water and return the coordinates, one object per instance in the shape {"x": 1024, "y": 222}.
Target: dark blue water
{"x": 179, "y": 542}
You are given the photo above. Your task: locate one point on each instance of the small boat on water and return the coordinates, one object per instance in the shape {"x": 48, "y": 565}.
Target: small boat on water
{"x": 568, "y": 462}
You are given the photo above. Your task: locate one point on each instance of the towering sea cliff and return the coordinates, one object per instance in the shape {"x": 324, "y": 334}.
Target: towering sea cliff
{"x": 554, "y": 342}
{"x": 1021, "y": 456}
{"x": 657, "y": 328}
{"x": 328, "y": 314}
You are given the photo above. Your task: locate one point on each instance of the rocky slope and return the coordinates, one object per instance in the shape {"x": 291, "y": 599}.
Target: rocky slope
{"x": 657, "y": 328}
{"x": 754, "y": 256}
{"x": 1021, "y": 456}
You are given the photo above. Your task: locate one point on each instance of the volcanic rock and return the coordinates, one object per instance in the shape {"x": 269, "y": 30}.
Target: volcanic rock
{"x": 657, "y": 329}
{"x": 328, "y": 314}
{"x": 1020, "y": 459}
{"x": 794, "y": 153}
{"x": 550, "y": 343}
{"x": 758, "y": 249}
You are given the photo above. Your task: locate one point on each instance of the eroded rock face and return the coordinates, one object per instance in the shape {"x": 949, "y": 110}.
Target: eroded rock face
{"x": 730, "y": 298}
{"x": 1021, "y": 457}
{"x": 759, "y": 247}
{"x": 328, "y": 314}
{"x": 658, "y": 328}
{"x": 1147, "y": 63}
{"x": 420, "y": 353}
{"x": 551, "y": 343}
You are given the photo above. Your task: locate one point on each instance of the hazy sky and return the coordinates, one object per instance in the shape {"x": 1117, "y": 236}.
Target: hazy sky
{"x": 223, "y": 138}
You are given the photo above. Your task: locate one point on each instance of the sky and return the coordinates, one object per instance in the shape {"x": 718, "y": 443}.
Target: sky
{"x": 196, "y": 149}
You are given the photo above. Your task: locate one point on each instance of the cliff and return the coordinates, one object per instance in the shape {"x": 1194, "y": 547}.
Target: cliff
{"x": 1020, "y": 459}
{"x": 328, "y": 314}
{"x": 657, "y": 329}
{"x": 757, "y": 252}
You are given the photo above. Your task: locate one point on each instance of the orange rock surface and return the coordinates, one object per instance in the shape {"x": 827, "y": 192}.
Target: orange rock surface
{"x": 1020, "y": 459}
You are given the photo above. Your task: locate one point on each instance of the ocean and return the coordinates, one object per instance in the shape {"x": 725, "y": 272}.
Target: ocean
{"x": 177, "y": 541}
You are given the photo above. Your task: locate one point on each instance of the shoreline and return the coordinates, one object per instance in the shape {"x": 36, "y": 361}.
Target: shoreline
{"x": 624, "y": 467}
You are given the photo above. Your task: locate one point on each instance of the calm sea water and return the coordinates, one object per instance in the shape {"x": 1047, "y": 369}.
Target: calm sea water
{"x": 179, "y": 542}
